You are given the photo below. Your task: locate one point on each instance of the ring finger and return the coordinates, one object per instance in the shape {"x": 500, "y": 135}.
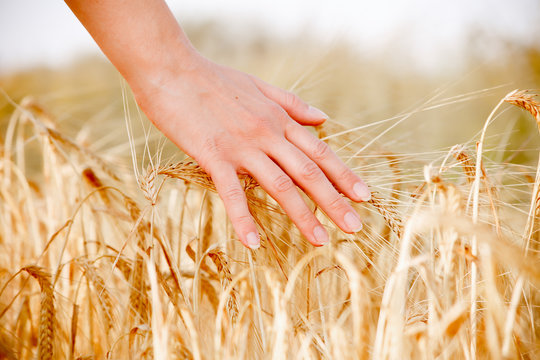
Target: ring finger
{"x": 280, "y": 186}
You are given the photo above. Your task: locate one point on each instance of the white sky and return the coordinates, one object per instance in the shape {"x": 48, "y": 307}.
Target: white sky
{"x": 35, "y": 32}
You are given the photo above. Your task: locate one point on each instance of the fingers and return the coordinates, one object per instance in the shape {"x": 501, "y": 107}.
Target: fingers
{"x": 315, "y": 183}
{"x": 235, "y": 201}
{"x": 297, "y": 109}
{"x": 283, "y": 190}
{"x": 345, "y": 180}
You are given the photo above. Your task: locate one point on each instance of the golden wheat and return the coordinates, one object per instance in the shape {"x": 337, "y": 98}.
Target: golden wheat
{"x": 149, "y": 266}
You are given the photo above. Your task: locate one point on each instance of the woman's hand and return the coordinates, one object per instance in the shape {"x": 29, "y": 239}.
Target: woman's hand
{"x": 230, "y": 122}
{"x": 233, "y": 123}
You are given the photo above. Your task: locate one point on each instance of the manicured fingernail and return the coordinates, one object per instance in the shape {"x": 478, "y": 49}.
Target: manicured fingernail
{"x": 353, "y": 222}
{"x": 361, "y": 190}
{"x": 321, "y": 236}
{"x": 316, "y": 113}
{"x": 253, "y": 240}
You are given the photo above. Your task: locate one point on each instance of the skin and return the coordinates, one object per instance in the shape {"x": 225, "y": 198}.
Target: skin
{"x": 230, "y": 122}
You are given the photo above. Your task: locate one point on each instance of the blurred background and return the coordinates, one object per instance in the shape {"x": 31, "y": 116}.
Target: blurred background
{"x": 421, "y": 33}
{"x": 366, "y": 63}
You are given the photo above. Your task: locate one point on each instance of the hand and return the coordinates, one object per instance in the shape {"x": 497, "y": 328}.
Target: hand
{"x": 228, "y": 121}
{"x": 233, "y": 123}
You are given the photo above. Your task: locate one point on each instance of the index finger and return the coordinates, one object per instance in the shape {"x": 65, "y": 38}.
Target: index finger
{"x": 234, "y": 199}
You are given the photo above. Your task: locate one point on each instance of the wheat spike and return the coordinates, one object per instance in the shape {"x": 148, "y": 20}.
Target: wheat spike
{"x": 147, "y": 184}
{"x": 103, "y": 294}
{"x": 208, "y": 228}
{"x": 388, "y": 212}
{"x": 525, "y": 100}
{"x": 46, "y": 315}
{"x": 190, "y": 171}
{"x": 469, "y": 167}
{"x": 218, "y": 257}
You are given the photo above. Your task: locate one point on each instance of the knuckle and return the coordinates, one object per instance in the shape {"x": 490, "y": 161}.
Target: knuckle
{"x": 258, "y": 123}
{"x": 267, "y": 124}
{"x": 211, "y": 145}
{"x": 210, "y": 150}
{"x": 276, "y": 110}
{"x": 346, "y": 174}
{"x": 320, "y": 150}
{"x": 310, "y": 171}
{"x": 305, "y": 217}
{"x": 283, "y": 183}
{"x": 204, "y": 162}
{"x": 292, "y": 100}
{"x": 291, "y": 127}
{"x": 276, "y": 115}
{"x": 233, "y": 194}
{"x": 243, "y": 219}
{"x": 337, "y": 203}
{"x": 259, "y": 126}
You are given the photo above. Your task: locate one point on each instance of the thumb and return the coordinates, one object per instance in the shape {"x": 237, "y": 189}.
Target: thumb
{"x": 297, "y": 109}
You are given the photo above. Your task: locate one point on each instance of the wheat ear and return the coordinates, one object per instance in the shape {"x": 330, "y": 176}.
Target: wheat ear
{"x": 46, "y": 315}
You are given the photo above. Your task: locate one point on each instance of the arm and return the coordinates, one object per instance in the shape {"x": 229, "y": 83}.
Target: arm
{"x": 229, "y": 121}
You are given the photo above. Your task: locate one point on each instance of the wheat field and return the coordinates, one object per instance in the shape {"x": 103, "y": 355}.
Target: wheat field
{"x": 125, "y": 251}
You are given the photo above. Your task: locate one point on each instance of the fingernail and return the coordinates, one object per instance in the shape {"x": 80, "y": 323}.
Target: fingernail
{"x": 361, "y": 190}
{"x": 253, "y": 240}
{"x": 316, "y": 113}
{"x": 353, "y": 222}
{"x": 321, "y": 236}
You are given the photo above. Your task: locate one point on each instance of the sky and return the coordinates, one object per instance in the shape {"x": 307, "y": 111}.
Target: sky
{"x": 45, "y": 32}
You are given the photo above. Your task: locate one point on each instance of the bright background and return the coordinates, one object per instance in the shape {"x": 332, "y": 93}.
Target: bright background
{"x": 37, "y": 32}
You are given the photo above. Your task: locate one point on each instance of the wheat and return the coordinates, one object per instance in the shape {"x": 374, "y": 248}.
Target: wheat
{"x": 524, "y": 99}
{"x": 466, "y": 162}
{"x": 400, "y": 288}
{"x": 225, "y": 277}
{"x": 191, "y": 172}
{"x": 388, "y": 212}
{"x": 46, "y": 316}
{"x": 102, "y": 293}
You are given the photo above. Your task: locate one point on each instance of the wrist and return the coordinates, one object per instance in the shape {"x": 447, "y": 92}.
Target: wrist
{"x": 171, "y": 60}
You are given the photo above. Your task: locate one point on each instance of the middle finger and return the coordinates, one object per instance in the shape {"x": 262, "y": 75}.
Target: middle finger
{"x": 314, "y": 182}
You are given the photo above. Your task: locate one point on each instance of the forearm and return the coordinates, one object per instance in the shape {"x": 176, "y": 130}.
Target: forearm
{"x": 140, "y": 37}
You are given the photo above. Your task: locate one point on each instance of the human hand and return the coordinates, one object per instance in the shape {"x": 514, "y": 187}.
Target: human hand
{"x": 228, "y": 121}
{"x": 234, "y": 123}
